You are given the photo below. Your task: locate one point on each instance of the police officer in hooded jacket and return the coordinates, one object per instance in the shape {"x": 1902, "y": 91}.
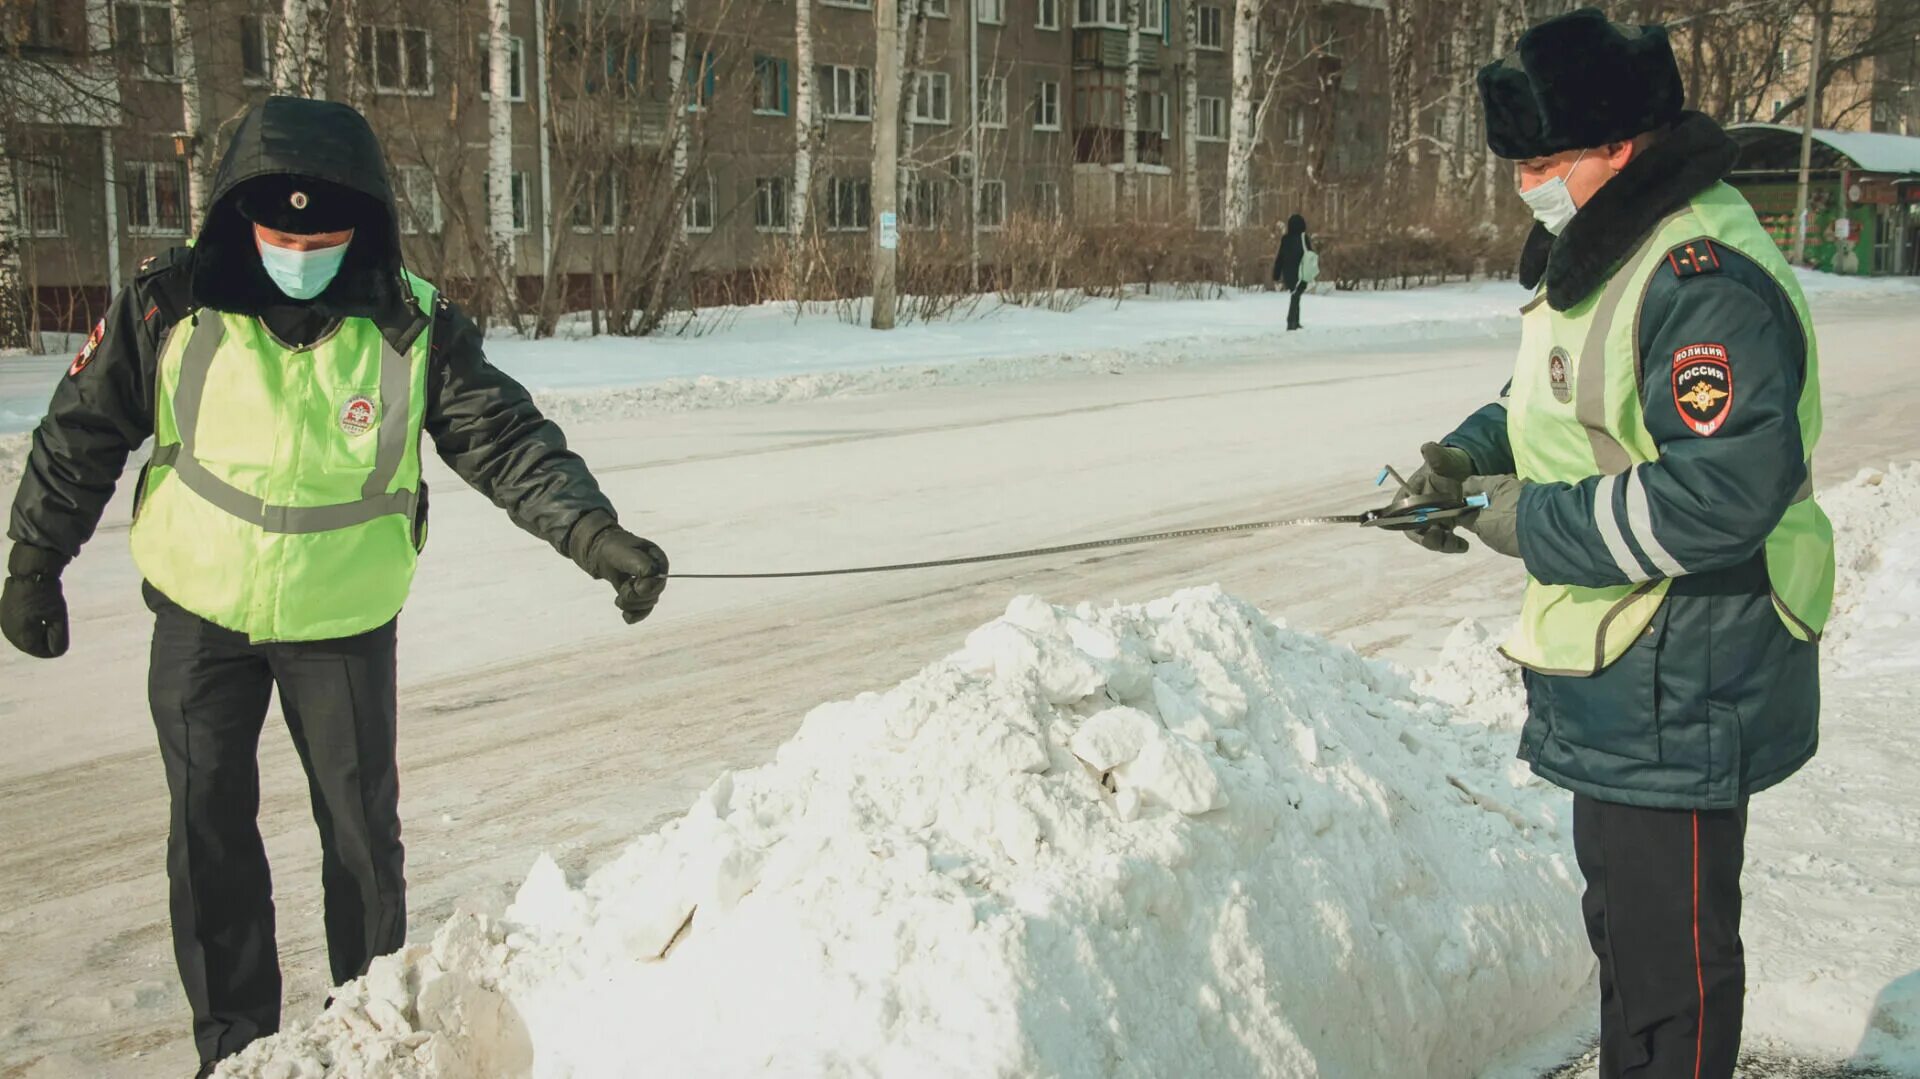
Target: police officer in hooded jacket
{"x": 285, "y": 367}
{"x": 1649, "y": 464}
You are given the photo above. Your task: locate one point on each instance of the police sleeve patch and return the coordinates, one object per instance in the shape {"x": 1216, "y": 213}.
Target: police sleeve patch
{"x": 87, "y": 350}
{"x": 1702, "y": 386}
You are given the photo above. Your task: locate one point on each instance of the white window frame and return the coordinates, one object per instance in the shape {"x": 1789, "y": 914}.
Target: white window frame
{"x": 1046, "y": 199}
{"x": 29, "y": 173}
{"x": 1041, "y": 103}
{"x": 520, "y": 187}
{"x": 991, "y": 92}
{"x": 987, "y": 225}
{"x": 370, "y": 65}
{"x": 690, "y": 214}
{"x": 408, "y": 176}
{"x": 1216, "y": 41}
{"x": 1149, "y": 98}
{"x": 1046, "y": 14}
{"x": 149, "y": 10}
{"x": 990, "y": 12}
{"x": 149, "y": 194}
{"x": 861, "y": 207}
{"x": 830, "y": 87}
{"x": 781, "y": 91}
{"x": 860, "y": 5}
{"x": 1296, "y": 120}
{"x": 1112, "y": 15}
{"x": 770, "y": 203}
{"x": 924, "y": 82}
{"x": 265, "y": 25}
{"x": 934, "y": 8}
{"x": 616, "y": 196}
{"x": 516, "y": 68}
{"x": 1215, "y": 109}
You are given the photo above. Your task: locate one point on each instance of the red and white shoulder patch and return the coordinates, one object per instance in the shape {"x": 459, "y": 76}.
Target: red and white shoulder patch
{"x": 87, "y": 350}
{"x": 1702, "y": 386}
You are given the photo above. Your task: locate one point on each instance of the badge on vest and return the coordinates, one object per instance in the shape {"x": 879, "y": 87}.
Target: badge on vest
{"x": 1559, "y": 372}
{"x": 356, "y": 416}
{"x": 1702, "y": 386}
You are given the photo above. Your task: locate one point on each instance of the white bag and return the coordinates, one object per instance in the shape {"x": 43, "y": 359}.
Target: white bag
{"x": 1309, "y": 263}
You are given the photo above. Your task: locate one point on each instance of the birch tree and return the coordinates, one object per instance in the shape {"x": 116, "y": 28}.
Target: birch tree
{"x": 1403, "y": 104}
{"x": 1240, "y": 134}
{"x": 1130, "y": 150}
{"x": 191, "y": 117}
{"x": 802, "y": 123}
{"x": 677, "y": 136}
{"x": 500, "y": 154}
{"x": 1190, "y": 106}
{"x": 16, "y": 322}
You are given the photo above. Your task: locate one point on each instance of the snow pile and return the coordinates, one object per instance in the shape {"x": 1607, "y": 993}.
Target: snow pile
{"x": 1136, "y": 840}
{"x": 1869, "y": 512}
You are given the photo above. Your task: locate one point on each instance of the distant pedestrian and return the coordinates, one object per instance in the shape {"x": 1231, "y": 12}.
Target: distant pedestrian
{"x": 1288, "y": 269}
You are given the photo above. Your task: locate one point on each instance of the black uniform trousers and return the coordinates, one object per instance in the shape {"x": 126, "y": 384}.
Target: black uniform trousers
{"x": 1293, "y": 306}
{"x": 1662, "y": 910}
{"x": 209, "y": 689}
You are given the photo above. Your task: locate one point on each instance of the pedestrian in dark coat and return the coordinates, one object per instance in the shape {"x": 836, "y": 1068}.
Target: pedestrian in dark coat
{"x": 277, "y": 551}
{"x": 1286, "y": 266}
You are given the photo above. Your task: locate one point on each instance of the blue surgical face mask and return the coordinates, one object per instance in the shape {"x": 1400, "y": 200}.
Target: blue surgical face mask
{"x": 1552, "y": 204}
{"x": 302, "y": 274}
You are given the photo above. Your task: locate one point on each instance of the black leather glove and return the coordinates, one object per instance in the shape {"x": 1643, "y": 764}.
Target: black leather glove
{"x": 635, "y": 567}
{"x": 33, "y": 611}
{"x": 1498, "y": 525}
{"x": 1441, "y": 476}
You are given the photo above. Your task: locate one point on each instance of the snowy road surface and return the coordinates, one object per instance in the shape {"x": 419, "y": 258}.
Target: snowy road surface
{"x": 533, "y": 720}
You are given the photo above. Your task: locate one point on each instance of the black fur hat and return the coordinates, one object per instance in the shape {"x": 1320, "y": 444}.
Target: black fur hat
{"x": 304, "y": 205}
{"x": 1579, "y": 81}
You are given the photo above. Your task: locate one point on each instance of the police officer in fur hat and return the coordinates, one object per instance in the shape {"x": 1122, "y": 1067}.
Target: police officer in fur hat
{"x": 286, "y": 367}
{"x": 1648, "y": 463}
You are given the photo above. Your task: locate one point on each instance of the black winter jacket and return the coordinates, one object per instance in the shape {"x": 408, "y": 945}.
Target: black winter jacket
{"x": 484, "y": 425}
{"x": 1286, "y": 264}
{"x": 1716, "y": 700}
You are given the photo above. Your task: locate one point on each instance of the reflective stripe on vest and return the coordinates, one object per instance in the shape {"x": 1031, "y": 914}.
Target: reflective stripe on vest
{"x": 1595, "y": 426}
{"x": 396, "y": 392}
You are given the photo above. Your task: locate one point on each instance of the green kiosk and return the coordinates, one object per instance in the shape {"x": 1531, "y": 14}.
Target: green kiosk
{"x": 1863, "y": 195}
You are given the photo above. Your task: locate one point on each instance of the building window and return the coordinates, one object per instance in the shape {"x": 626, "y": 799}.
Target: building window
{"x": 1213, "y": 28}
{"x": 1112, "y": 14}
{"x": 519, "y": 198}
{"x": 1046, "y": 199}
{"x": 770, "y": 204}
{"x": 847, "y": 93}
{"x": 1296, "y": 124}
{"x": 700, "y": 80}
{"x": 993, "y": 204}
{"x": 418, "y": 196}
{"x": 993, "y": 101}
{"x": 699, "y": 212}
{"x": 1779, "y": 106}
{"x": 1213, "y": 118}
{"x": 598, "y": 205}
{"x": 516, "y": 65}
{"x": 935, "y": 8}
{"x": 41, "y": 209}
{"x": 849, "y": 204}
{"x": 772, "y": 95}
{"x": 1046, "y": 14}
{"x": 1153, "y": 112}
{"x": 863, "y": 5}
{"x": 144, "y": 33}
{"x": 992, "y": 11}
{"x": 256, "y": 49}
{"x": 932, "y": 97}
{"x": 50, "y": 28}
{"x": 156, "y": 197}
{"x": 397, "y": 59}
{"x": 1046, "y": 106}
{"x": 926, "y": 203}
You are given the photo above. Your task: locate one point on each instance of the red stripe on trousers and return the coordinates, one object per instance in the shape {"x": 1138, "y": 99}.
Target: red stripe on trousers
{"x": 1699, "y": 975}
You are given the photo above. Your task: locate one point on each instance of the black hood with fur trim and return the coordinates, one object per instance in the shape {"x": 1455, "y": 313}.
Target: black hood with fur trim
{"x": 325, "y": 140}
{"x": 1693, "y": 156}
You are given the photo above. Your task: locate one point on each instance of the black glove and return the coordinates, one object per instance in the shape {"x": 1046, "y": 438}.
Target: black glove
{"x": 635, "y": 567}
{"x": 1446, "y": 468}
{"x": 1498, "y": 525}
{"x": 33, "y": 612}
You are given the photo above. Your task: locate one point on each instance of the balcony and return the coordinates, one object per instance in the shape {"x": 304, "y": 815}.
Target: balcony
{"x": 1107, "y": 146}
{"x": 1100, "y": 48}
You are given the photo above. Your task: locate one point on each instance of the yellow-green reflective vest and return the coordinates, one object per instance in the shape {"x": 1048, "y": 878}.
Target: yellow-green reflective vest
{"x": 1574, "y": 412}
{"x": 281, "y": 500}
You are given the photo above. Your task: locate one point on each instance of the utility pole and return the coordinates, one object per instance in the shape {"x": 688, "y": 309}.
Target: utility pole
{"x": 1821, "y": 13}
{"x": 886, "y": 158}
{"x": 973, "y": 128}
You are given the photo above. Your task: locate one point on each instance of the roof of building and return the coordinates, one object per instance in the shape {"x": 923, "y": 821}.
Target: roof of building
{"x": 1767, "y": 147}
